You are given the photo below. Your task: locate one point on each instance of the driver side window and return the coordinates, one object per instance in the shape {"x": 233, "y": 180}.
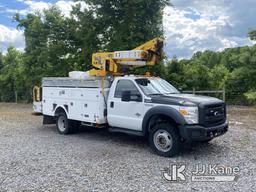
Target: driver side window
{"x": 125, "y": 85}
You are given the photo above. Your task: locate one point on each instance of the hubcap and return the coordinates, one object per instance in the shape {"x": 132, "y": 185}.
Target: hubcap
{"x": 62, "y": 123}
{"x": 163, "y": 140}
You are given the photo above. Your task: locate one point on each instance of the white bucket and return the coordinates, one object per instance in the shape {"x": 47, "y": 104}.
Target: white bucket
{"x": 79, "y": 74}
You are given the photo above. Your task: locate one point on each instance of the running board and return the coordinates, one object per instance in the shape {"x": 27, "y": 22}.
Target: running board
{"x": 127, "y": 131}
{"x": 88, "y": 124}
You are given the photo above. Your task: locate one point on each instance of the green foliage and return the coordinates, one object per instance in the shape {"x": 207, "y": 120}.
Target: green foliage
{"x": 1, "y": 61}
{"x": 218, "y": 76}
{"x": 251, "y": 97}
{"x": 197, "y": 76}
{"x": 233, "y": 68}
{"x": 56, "y": 44}
{"x": 120, "y": 25}
{"x": 11, "y": 78}
{"x": 252, "y": 35}
{"x": 127, "y": 24}
{"x": 49, "y": 48}
{"x": 176, "y": 73}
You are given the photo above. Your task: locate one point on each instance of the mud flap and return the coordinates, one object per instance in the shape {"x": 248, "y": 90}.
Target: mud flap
{"x": 48, "y": 120}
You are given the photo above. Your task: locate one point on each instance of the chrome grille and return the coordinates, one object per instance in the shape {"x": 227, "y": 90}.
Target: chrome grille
{"x": 214, "y": 114}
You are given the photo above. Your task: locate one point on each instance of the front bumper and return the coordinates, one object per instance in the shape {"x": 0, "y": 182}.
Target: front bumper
{"x": 201, "y": 133}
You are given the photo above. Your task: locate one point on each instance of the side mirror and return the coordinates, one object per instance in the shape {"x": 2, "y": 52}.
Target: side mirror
{"x": 127, "y": 96}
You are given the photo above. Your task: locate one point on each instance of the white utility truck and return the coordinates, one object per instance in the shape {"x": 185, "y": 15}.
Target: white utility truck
{"x": 139, "y": 105}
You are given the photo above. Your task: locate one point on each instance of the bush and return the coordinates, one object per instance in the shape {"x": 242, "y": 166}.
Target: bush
{"x": 251, "y": 97}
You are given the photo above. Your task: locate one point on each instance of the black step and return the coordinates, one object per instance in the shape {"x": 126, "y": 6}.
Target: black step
{"x": 127, "y": 131}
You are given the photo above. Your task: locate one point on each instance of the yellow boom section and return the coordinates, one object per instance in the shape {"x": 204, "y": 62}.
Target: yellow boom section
{"x": 113, "y": 62}
{"x": 154, "y": 49}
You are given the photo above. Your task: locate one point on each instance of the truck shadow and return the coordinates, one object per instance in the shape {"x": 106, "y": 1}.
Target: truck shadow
{"x": 196, "y": 148}
{"x": 105, "y": 135}
{"x": 188, "y": 150}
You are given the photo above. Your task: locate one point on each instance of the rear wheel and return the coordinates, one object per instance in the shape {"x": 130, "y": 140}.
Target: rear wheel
{"x": 66, "y": 126}
{"x": 164, "y": 140}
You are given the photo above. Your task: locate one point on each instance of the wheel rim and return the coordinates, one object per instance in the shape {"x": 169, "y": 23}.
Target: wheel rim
{"x": 163, "y": 140}
{"x": 62, "y": 123}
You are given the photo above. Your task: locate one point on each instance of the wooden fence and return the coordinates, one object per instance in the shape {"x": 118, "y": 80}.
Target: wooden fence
{"x": 194, "y": 91}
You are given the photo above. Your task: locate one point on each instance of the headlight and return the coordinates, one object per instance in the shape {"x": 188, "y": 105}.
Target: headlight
{"x": 190, "y": 114}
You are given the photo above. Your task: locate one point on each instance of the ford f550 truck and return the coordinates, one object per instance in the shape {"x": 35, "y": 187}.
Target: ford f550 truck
{"x": 139, "y": 105}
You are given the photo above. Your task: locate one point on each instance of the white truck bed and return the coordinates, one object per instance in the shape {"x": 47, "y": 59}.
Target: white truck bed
{"x": 82, "y": 99}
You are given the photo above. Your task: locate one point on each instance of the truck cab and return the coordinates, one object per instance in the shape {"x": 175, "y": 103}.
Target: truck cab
{"x": 139, "y": 105}
{"x": 152, "y": 107}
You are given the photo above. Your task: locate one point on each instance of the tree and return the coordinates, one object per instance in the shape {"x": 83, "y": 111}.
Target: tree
{"x": 127, "y": 24}
{"x": 123, "y": 25}
{"x": 10, "y": 74}
{"x": 1, "y": 60}
{"x": 87, "y": 35}
{"x": 175, "y": 73}
{"x": 234, "y": 68}
{"x": 239, "y": 82}
{"x": 50, "y": 49}
{"x": 56, "y": 44}
{"x": 197, "y": 76}
{"x": 252, "y": 35}
{"x": 218, "y": 76}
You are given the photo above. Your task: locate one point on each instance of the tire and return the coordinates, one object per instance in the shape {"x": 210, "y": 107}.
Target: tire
{"x": 165, "y": 140}
{"x": 66, "y": 126}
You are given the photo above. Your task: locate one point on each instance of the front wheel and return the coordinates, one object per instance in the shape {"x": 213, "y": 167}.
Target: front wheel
{"x": 164, "y": 140}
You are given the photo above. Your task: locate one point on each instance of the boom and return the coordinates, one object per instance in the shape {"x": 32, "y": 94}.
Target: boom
{"x": 114, "y": 62}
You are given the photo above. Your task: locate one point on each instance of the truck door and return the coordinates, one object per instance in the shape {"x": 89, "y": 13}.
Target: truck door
{"x": 125, "y": 114}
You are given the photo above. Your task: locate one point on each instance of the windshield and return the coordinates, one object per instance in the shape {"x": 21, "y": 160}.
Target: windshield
{"x": 156, "y": 86}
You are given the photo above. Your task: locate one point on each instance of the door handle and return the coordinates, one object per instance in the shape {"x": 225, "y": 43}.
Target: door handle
{"x": 112, "y": 104}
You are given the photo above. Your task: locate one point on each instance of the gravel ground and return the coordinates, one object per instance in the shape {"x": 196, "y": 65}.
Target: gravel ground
{"x": 36, "y": 158}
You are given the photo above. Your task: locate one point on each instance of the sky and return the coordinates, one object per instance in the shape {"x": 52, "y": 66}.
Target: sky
{"x": 190, "y": 25}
